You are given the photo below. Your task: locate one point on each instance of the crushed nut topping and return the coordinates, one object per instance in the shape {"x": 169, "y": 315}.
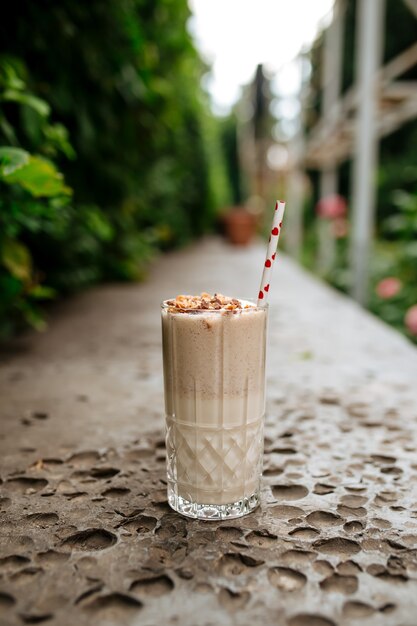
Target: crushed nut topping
{"x": 205, "y": 302}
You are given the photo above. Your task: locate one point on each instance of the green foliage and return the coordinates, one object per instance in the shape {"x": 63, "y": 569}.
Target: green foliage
{"x": 108, "y": 92}
{"x": 32, "y": 190}
{"x": 34, "y": 174}
{"x": 230, "y": 148}
{"x": 135, "y": 113}
{"x": 396, "y": 256}
{"x": 11, "y": 160}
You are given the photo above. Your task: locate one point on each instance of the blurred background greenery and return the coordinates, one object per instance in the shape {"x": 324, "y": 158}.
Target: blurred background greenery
{"x": 110, "y": 151}
{"x": 108, "y": 93}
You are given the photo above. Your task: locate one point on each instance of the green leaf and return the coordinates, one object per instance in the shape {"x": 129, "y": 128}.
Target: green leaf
{"x": 58, "y": 138}
{"x": 8, "y": 131}
{"x": 410, "y": 249}
{"x": 40, "y": 177}
{"x": 40, "y": 106}
{"x": 12, "y": 159}
{"x": 16, "y": 258}
{"x": 98, "y": 224}
{"x": 42, "y": 292}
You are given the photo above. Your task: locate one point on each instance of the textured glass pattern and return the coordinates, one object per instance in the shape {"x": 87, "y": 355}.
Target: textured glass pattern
{"x": 214, "y": 465}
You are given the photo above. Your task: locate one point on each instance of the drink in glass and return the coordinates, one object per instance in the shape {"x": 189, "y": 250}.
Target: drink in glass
{"x": 214, "y": 377}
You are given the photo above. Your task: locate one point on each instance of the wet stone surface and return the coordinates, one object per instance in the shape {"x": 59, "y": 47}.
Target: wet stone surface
{"x": 104, "y": 545}
{"x": 87, "y": 536}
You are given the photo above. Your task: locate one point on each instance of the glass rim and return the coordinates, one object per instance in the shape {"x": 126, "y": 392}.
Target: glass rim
{"x": 257, "y": 307}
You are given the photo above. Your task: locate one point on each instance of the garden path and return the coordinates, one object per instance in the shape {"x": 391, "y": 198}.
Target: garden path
{"x": 87, "y": 536}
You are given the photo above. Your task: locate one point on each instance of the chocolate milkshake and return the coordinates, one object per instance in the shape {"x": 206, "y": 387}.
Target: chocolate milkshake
{"x": 214, "y": 374}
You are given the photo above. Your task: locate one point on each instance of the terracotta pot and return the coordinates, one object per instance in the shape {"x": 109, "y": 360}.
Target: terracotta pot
{"x": 240, "y": 226}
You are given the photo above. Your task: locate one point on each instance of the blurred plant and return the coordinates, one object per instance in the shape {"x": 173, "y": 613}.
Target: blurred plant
{"x": 32, "y": 191}
{"x": 410, "y": 320}
{"x": 332, "y": 207}
{"x": 395, "y": 265}
{"x": 149, "y": 171}
{"x": 138, "y": 119}
{"x": 48, "y": 245}
{"x": 389, "y": 287}
{"x": 229, "y": 137}
{"x": 403, "y": 224}
{"x": 340, "y": 228}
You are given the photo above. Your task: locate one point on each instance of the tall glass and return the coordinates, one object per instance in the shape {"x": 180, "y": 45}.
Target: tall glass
{"x": 214, "y": 376}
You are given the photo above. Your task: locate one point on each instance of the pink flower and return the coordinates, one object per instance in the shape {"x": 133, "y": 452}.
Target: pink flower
{"x": 340, "y": 227}
{"x": 411, "y": 319}
{"x": 331, "y": 207}
{"x": 388, "y": 287}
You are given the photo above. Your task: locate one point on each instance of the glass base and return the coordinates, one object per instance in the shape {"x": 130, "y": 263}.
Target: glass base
{"x": 213, "y": 512}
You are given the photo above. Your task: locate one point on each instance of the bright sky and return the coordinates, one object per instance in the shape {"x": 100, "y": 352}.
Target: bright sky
{"x": 235, "y": 35}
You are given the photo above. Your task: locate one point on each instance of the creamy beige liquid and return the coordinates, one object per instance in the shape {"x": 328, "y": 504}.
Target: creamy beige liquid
{"x": 214, "y": 372}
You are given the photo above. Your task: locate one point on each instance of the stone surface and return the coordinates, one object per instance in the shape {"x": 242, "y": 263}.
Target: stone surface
{"x": 87, "y": 536}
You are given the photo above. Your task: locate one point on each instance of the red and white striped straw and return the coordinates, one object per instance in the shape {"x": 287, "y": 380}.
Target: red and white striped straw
{"x": 271, "y": 252}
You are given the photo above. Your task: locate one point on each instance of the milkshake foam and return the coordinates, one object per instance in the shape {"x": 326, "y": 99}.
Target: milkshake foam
{"x": 214, "y": 360}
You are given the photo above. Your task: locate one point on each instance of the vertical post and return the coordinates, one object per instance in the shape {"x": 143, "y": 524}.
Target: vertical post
{"x": 326, "y": 248}
{"x": 331, "y": 85}
{"x": 368, "y": 59}
{"x": 295, "y": 200}
{"x": 332, "y": 58}
{"x": 296, "y": 179}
